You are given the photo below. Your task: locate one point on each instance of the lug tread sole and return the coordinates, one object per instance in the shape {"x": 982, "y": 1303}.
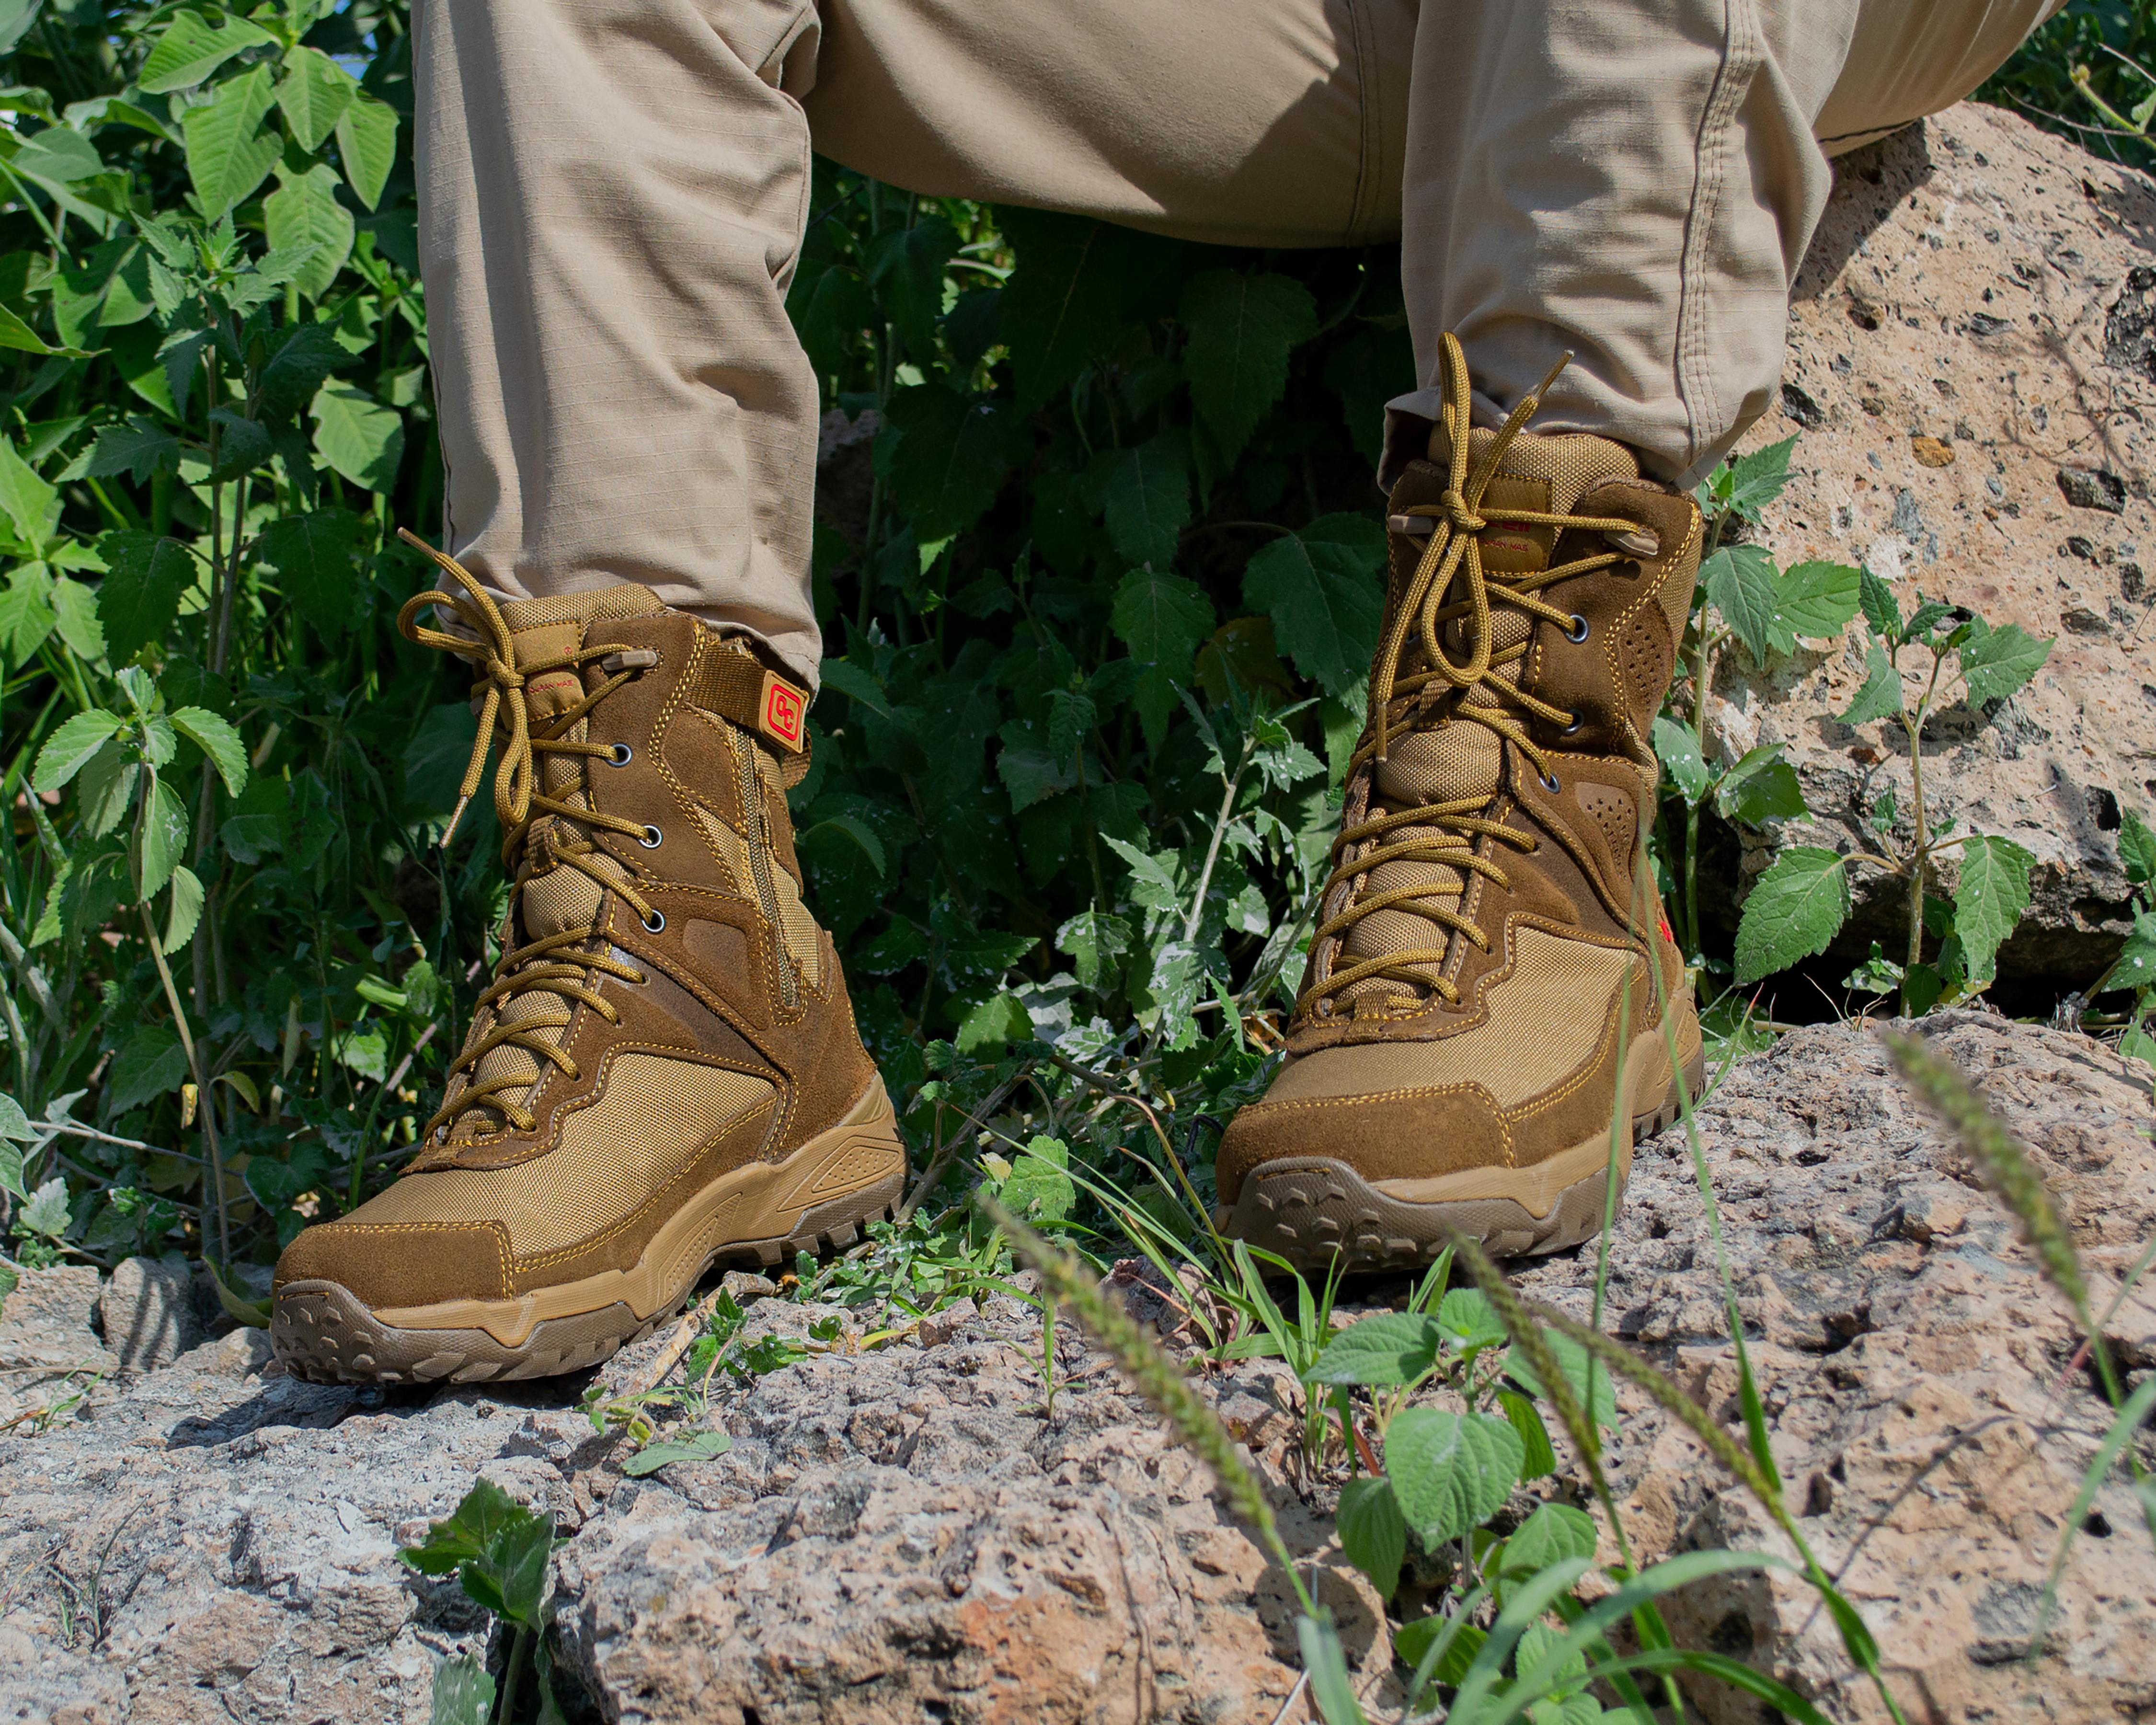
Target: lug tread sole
{"x": 325, "y": 1334}
{"x": 1313, "y": 1210}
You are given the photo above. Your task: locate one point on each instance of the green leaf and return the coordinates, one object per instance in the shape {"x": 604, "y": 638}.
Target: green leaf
{"x": 146, "y": 577}
{"x": 367, "y": 141}
{"x": 26, "y": 611}
{"x": 951, "y": 454}
{"x": 140, "y": 449}
{"x": 313, "y": 94}
{"x": 905, "y": 265}
{"x": 854, "y": 829}
{"x": 1450, "y": 1471}
{"x": 14, "y": 1124}
{"x": 1389, "y": 1349}
{"x": 303, "y": 213}
{"x": 1880, "y": 696}
{"x": 152, "y": 1063}
{"x": 1814, "y": 602}
{"x": 1590, "y": 1382}
{"x": 498, "y": 1549}
{"x": 1324, "y": 588}
{"x": 1678, "y": 750}
{"x": 315, "y": 559}
{"x": 228, "y": 154}
{"x": 1373, "y": 1531}
{"x": 68, "y": 750}
{"x": 108, "y": 788}
{"x": 1094, "y": 940}
{"x": 1741, "y": 585}
{"x": 1760, "y": 788}
{"x": 1469, "y": 1321}
{"x": 361, "y": 438}
{"x": 30, "y": 505}
{"x": 2137, "y": 848}
{"x": 1413, "y": 1640}
{"x": 1758, "y": 479}
{"x": 296, "y": 368}
{"x": 190, "y": 51}
{"x": 1541, "y": 1459}
{"x": 1063, "y": 303}
{"x": 1145, "y": 493}
{"x": 1556, "y": 1533}
{"x": 1988, "y": 899}
{"x": 1241, "y": 329}
{"x": 1796, "y": 908}
{"x": 697, "y": 1447}
{"x": 160, "y": 840}
{"x": 1152, "y": 883}
{"x": 216, "y": 738}
{"x": 462, "y": 1692}
{"x": 74, "y": 610}
{"x": 19, "y": 336}
{"x": 1996, "y": 662}
{"x": 1879, "y": 609}
{"x": 1040, "y": 1188}
{"x": 46, "y": 1214}
{"x": 993, "y": 1023}
{"x": 183, "y": 911}
{"x": 1162, "y": 617}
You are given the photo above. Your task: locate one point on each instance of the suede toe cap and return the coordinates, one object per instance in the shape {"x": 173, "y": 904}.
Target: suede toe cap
{"x": 402, "y": 1264}
{"x": 1384, "y": 1134}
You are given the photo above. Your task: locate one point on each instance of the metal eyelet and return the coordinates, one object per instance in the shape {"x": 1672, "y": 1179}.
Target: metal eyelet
{"x": 651, "y": 838}
{"x": 620, "y": 754}
{"x": 654, "y": 923}
{"x": 1550, "y": 782}
{"x": 1572, "y": 725}
{"x": 1578, "y": 632}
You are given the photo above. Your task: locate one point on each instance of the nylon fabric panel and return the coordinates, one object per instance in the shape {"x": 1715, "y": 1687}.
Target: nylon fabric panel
{"x": 1543, "y": 1020}
{"x": 650, "y": 1120}
{"x": 627, "y": 599}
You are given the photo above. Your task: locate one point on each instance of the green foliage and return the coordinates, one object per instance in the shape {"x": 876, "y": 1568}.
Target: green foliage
{"x": 498, "y": 1552}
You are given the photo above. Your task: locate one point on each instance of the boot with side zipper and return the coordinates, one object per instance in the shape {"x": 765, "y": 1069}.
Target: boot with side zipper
{"x": 666, "y": 1070}
{"x": 1492, "y": 982}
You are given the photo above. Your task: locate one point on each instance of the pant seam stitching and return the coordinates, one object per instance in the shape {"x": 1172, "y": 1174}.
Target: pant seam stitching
{"x": 1695, "y": 379}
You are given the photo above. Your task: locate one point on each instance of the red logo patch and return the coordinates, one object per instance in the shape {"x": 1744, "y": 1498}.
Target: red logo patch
{"x": 784, "y": 708}
{"x": 1669, "y": 933}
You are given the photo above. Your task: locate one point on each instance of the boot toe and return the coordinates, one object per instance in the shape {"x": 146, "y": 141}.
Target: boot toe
{"x": 388, "y": 1265}
{"x": 1382, "y": 1135}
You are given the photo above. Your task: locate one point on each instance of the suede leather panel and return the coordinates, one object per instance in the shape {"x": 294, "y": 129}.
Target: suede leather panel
{"x": 402, "y": 1264}
{"x": 1420, "y": 1133}
{"x": 619, "y": 1247}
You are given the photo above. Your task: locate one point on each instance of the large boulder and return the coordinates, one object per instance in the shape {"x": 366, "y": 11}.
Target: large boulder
{"x": 1972, "y": 369}
{"x": 908, "y": 1527}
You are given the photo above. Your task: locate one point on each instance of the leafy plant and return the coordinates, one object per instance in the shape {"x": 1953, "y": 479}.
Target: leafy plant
{"x": 1800, "y": 903}
{"x": 498, "y": 1552}
{"x": 2134, "y": 970}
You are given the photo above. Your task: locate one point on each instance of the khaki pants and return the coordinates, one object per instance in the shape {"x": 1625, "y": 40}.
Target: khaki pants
{"x": 613, "y": 192}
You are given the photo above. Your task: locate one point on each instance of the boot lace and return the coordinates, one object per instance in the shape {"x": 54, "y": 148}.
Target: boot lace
{"x": 1450, "y": 583}
{"x": 562, "y": 966}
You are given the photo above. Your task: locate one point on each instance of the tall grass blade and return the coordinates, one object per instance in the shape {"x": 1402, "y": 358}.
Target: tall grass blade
{"x": 1156, "y": 1377}
{"x": 1330, "y": 1685}
{"x": 2131, "y": 1419}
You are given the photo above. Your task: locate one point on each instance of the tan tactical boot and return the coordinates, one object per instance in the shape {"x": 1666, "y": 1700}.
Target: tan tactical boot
{"x": 1489, "y": 980}
{"x": 666, "y": 1070}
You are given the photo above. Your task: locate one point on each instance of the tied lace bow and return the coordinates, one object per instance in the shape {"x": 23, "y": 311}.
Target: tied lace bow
{"x": 557, "y": 966}
{"x": 1451, "y": 690}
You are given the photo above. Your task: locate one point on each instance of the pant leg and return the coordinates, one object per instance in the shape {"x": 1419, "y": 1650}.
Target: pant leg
{"x": 612, "y": 194}
{"x": 1638, "y": 182}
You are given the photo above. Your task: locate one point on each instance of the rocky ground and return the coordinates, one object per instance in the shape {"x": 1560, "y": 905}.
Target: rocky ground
{"x": 911, "y": 1532}
{"x": 1972, "y": 370}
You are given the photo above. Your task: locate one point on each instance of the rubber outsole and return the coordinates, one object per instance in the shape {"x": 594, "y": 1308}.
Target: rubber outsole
{"x": 324, "y": 1334}
{"x": 1313, "y": 1210}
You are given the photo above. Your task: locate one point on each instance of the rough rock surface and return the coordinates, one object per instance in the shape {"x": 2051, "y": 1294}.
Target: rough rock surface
{"x": 1922, "y": 1395}
{"x": 1971, "y": 366}
{"x": 147, "y": 1313}
{"x": 910, "y": 1532}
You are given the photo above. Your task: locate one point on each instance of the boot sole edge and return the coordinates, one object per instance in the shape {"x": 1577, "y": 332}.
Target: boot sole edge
{"x": 1316, "y": 1210}
{"x": 323, "y": 1332}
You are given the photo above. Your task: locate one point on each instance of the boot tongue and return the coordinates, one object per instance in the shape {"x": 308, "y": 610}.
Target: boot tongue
{"x": 1458, "y": 759}
{"x": 553, "y": 899}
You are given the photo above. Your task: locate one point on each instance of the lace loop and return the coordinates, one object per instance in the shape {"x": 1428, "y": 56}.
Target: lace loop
{"x": 1450, "y": 584}
{"x": 563, "y": 969}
